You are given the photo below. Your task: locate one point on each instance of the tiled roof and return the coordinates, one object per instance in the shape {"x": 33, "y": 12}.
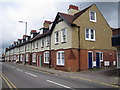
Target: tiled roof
{"x": 40, "y": 35}
{"x": 70, "y": 18}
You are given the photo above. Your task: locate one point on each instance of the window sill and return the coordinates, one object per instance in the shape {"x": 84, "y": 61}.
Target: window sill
{"x": 47, "y": 45}
{"x": 46, "y": 62}
{"x": 94, "y": 21}
{"x": 63, "y": 42}
{"x": 60, "y": 65}
{"x": 90, "y": 40}
{"x": 56, "y": 43}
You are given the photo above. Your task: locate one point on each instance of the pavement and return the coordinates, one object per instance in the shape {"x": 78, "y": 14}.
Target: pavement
{"x": 104, "y": 76}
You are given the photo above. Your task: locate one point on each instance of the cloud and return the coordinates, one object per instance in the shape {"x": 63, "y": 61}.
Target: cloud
{"x": 35, "y": 12}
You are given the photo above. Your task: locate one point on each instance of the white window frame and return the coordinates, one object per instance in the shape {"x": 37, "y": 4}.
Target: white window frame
{"x": 91, "y": 16}
{"x": 46, "y": 57}
{"x": 47, "y": 41}
{"x": 101, "y": 59}
{"x": 56, "y": 42}
{"x": 36, "y": 45}
{"x": 34, "y": 57}
{"x": 21, "y": 57}
{"x": 89, "y": 32}
{"x": 62, "y": 62}
{"x": 42, "y": 43}
{"x": 62, "y": 38}
{"x": 27, "y": 57}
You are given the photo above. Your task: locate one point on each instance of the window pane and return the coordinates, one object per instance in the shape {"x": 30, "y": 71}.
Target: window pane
{"x": 92, "y": 15}
{"x": 92, "y": 34}
{"x": 87, "y": 33}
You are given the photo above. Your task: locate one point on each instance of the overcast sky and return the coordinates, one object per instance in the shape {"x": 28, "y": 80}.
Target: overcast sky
{"x": 35, "y": 12}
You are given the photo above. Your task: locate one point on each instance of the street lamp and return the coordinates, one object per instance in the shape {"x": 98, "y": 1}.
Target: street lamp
{"x": 25, "y": 34}
{"x": 25, "y": 26}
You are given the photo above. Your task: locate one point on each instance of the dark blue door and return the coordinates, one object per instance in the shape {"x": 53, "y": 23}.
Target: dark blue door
{"x": 89, "y": 59}
{"x": 97, "y": 60}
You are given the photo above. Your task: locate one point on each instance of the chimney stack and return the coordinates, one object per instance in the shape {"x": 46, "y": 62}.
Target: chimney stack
{"x": 73, "y": 9}
{"x": 46, "y": 24}
{"x": 33, "y": 33}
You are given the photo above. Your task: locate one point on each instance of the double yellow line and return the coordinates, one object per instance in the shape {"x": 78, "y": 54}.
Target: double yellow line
{"x": 8, "y": 82}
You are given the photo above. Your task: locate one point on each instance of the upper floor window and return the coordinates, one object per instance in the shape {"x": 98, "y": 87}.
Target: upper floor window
{"x": 27, "y": 46}
{"x": 92, "y": 15}
{"x": 47, "y": 40}
{"x": 90, "y": 34}
{"x": 56, "y": 37}
{"x": 33, "y": 45}
{"x": 46, "y": 57}
{"x": 36, "y": 44}
{"x": 60, "y": 58}
{"x": 63, "y": 35}
{"x": 42, "y": 43}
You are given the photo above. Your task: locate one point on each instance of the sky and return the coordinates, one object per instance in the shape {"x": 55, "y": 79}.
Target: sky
{"x": 35, "y": 12}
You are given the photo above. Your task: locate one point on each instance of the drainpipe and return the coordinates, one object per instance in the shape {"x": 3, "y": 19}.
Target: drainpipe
{"x": 49, "y": 52}
{"x": 78, "y": 48}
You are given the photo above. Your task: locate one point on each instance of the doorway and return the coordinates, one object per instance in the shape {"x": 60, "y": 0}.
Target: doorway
{"x": 90, "y": 59}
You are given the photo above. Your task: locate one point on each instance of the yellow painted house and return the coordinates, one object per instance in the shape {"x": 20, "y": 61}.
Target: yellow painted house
{"x": 81, "y": 40}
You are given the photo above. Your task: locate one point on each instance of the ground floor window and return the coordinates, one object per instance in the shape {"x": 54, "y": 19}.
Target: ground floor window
{"x": 27, "y": 57}
{"x": 60, "y": 58}
{"x": 20, "y": 57}
{"x": 34, "y": 57}
{"x": 46, "y": 57}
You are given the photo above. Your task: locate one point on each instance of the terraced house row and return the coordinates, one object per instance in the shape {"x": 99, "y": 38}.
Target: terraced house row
{"x": 78, "y": 40}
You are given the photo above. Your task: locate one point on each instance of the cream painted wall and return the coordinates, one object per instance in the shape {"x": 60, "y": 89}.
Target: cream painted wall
{"x": 68, "y": 43}
{"x": 39, "y": 49}
{"x": 28, "y": 47}
{"x": 103, "y": 31}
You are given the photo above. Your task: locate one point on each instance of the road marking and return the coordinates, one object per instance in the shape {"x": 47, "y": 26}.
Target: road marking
{"x": 19, "y": 69}
{"x": 9, "y": 83}
{"x": 58, "y": 84}
{"x": 31, "y": 74}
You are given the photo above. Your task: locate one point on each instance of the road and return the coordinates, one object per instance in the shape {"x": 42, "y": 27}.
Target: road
{"x": 22, "y": 77}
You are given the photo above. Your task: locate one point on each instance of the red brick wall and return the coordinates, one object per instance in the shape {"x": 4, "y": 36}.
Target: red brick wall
{"x": 108, "y": 55}
{"x": 71, "y": 60}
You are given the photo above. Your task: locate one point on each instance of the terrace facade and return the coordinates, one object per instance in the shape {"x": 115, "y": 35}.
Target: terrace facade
{"x": 78, "y": 40}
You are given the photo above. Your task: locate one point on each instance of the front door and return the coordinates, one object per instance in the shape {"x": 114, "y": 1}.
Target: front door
{"x": 90, "y": 60}
{"x": 39, "y": 60}
{"x": 97, "y": 60}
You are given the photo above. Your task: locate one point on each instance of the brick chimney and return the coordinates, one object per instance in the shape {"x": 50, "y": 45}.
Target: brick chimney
{"x": 33, "y": 33}
{"x": 73, "y": 9}
{"x": 46, "y": 24}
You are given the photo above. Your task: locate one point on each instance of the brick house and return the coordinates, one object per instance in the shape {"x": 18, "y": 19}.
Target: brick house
{"x": 78, "y": 40}
{"x": 116, "y": 43}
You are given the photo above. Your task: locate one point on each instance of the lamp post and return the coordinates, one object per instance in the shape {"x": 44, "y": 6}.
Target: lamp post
{"x": 25, "y": 26}
{"x": 25, "y": 34}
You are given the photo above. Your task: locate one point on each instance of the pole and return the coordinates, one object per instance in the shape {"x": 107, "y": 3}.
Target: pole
{"x": 25, "y": 28}
{"x": 25, "y": 44}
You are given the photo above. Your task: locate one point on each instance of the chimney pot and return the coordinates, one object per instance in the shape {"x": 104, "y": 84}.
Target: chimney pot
{"x": 73, "y": 7}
